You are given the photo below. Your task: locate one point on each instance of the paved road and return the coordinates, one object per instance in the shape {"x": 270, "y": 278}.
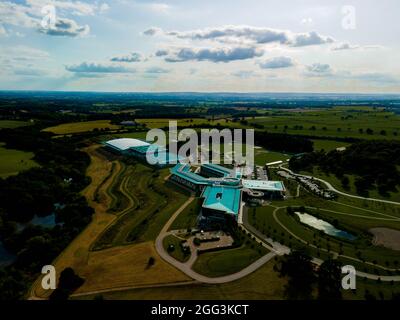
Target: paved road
{"x": 331, "y": 188}
{"x": 187, "y": 266}
{"x": 318, "y": 261}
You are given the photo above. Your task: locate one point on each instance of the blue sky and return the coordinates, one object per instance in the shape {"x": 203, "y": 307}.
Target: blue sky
{"x": 213, "y": 46}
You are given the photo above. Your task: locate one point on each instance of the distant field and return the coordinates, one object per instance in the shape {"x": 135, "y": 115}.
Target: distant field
{"x": 161, "y": 123}
{"x": 328, "y": 145}
{"x": 262, "y": 156}
{"x": 14, "y": 161}
{"x": 11, "y": 124}
{"x": 334, "y": 122}
{"x": 78, "y": 127}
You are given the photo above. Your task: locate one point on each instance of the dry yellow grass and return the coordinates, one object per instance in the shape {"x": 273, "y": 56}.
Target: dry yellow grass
{"x": 114, "y": 267}
{"x": 78, "y": 127}
{"x": 127, "y": 266}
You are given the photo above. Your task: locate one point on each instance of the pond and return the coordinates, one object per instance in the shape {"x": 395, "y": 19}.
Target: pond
{"x": 324, "y": 226}
{"x": 46, "y": 222}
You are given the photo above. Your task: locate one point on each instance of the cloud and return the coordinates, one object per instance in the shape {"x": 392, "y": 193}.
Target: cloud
{"x": 310, "y": 39}
{"x": 318, "y": 69}
{"x": 157, "y": 70}
{"x": 65, "y": 27}
{"x": 161, "y": 53}
{"x": 277, "y": 63}
{"x": 29, "y": 14}
{"x": 132, "y": 57}
{"x": 344, "y": 46}
{"x": 248, "y": 34}
{"x": 86, "y": 67}
{"x": 152, "y": 31}
{"x": 215, "y": 54}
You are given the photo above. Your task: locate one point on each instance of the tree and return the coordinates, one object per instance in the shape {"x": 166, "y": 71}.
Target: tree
{"x": 298, "y": 268}
{"x": 329, "y": 280}
{"x": 68, "y": 282}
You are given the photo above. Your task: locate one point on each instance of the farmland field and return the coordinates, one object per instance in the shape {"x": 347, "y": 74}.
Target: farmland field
{"x": 14, "y": 161}
{"x": 361, "y": 123}
{"x": 12, "y": 124}
{"x": 78, "y": 127}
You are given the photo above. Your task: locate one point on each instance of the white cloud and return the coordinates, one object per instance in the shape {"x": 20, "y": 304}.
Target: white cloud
{"x": 248, "y": 34}
{"x": 87, "y": 67}
{"x": 66, "y": 27}
{"x": 29, "y": 14}
{"x": 132, "y": 57}
{"x": 214, "y": 54}
{"x": 277, "y": 63}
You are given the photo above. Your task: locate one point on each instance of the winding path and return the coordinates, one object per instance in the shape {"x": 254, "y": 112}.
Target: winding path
{"x": 187, "y": 266}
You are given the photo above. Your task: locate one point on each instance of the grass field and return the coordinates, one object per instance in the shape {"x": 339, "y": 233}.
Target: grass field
{"x": 79, "y": 127}
{"x": 177, "y": 253}
{"x": 228, "y": 261}
{"x": 12, "y": 124}
{"x": 118, "y": 266}
{"x": 355, "y": 216}
{"x": 149, "y": 204}
{"x": 329, "y": 122}
{"x": 334, "y": 122}
{"x": 14, "y": 161}
{"x": 188, "y": 217}
{"x": 264, "y": 283}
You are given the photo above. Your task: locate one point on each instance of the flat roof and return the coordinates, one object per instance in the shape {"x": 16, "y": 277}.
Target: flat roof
{"x": 218, "y": 168}
{"x": 222, "y": 199}
{"x": 265, "y": 185}
{"x": 126, "y": 143}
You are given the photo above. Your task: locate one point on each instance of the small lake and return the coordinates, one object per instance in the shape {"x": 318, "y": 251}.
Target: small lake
{"x": 324, "y": 226}
{"x": 6, "y": 258}
{"x": 45, "y": 222}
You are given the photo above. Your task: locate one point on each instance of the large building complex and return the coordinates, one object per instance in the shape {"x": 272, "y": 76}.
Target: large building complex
{"x": 140, "y": 149}
{"x": 222, "y": 189}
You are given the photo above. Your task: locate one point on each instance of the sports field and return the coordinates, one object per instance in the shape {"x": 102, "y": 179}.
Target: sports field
{"x": 14, "y": 161}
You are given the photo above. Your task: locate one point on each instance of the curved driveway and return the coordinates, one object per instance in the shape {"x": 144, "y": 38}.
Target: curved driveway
{"x": 187, "y": 266}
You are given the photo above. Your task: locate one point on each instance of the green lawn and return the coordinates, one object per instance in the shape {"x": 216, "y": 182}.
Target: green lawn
{"x": 14, "y": 161}
{"x": 262, "y": 156}
{"x": 79, "y": 127}
{"x": 177, "y": 253}
{"x": 188, "y": 217}
{"x": 228, "y": 261}
{"x": 12, "y": 124}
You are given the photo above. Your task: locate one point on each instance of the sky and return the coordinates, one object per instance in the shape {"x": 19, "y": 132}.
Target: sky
{"x": 200, "y": 46}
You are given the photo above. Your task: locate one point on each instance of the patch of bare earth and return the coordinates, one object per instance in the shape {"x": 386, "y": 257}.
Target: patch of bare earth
{"x": 388, "y": 238}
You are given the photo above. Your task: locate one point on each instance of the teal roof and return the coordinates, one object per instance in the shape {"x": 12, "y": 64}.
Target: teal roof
{"x": 265, "y": 185}
{"x": 222, "y": 199}
{"x": 223, "y": 170}
{"x": 183, "y": 171}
